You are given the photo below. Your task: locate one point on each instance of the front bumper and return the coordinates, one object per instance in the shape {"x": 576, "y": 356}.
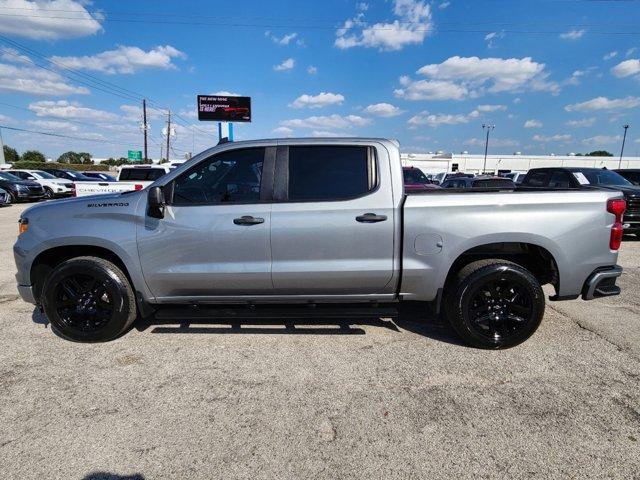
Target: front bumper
{"x": 602, "y": 283}
{"x": 26, "y": 292}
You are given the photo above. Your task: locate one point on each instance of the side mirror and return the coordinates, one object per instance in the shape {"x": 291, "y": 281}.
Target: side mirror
{"x": 155, "y": 202}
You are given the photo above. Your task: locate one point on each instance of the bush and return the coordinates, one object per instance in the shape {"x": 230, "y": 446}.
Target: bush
{"x": 63, "y": 166}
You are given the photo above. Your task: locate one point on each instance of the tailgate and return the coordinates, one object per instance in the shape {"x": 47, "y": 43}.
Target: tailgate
{"x": 84, "y": 189}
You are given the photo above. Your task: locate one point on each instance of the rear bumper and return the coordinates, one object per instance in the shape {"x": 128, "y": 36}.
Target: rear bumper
{"x": 602, "y": 283}
{"x": 26, "y": 292}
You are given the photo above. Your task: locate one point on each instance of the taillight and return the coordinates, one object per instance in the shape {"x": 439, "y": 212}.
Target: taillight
{"x": 617, "y": 206}
{"x": 138, "y": 186}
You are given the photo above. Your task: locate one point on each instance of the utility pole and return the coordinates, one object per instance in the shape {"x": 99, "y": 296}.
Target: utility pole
{"x": 168, "y": 131}
{"x": 145, "y": 127}
{"x": 486, "y": 144}
{"x": 623, "y": 140}
{"x": 2, "y": 159}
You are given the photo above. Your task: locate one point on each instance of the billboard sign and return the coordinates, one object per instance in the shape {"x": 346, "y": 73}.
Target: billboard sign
{"x": 224, "y": 108}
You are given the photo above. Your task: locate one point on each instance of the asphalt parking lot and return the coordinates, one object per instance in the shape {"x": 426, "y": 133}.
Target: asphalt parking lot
{"x": 375, "y": 399}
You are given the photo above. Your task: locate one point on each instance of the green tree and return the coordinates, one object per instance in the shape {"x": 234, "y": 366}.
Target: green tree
{"x": 85, "y": 158}
{"x": 10, "y": 154}
{"x": 33, "y": 156}
{"x": 599, "y": 153}
{"x": 113, "y": 162}
{"x": 69, "y": 157}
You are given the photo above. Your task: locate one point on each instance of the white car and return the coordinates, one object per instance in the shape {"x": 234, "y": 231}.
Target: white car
{"x": 53, "y": 186}
{"x": 131, "y": 177}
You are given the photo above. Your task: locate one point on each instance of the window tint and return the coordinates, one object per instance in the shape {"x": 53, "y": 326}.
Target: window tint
{"x": 330, "y": 173}
{"x": 536, "y": 179}
{"x": 229, "y": 177}
{"x": 141, "y": 174}
{"x": 560, "y": 179}
{"x": 414, "y": 176}
{"x": 633, "y": 177}
{"x": 493, "y": 183}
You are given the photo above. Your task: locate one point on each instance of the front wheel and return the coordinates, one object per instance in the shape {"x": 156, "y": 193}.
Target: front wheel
{"x": 88, "y": 299}
{"x": 48, "y": 193}
{"x": 495, "y": 304}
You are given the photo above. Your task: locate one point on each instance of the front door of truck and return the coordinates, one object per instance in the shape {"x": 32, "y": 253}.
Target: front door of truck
{"x": 332, "y": 222}
{"x": 214, "y": 237}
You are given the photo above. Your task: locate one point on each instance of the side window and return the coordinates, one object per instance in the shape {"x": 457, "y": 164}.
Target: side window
{"x": 331, "y": 172}
{"x": 560, "y": 179}
{"x": 229, "y": 177}
{"x": 537, "y": 179}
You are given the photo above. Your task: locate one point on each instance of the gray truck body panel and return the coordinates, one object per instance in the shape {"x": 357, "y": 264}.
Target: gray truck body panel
{"x": 315, "y": 251}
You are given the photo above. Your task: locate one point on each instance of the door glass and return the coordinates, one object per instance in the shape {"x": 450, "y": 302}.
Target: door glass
{"x": 229, "y": 177}
{"x": 330, "y": 172}
{"x": 560, "y": 179}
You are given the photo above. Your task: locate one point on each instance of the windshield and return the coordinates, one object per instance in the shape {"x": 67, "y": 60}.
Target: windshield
{"x": 605, "y": 177}
{"x": 45, "y": 175}
{"x": 414, "y": 176}
{"x": 8, "y": 176}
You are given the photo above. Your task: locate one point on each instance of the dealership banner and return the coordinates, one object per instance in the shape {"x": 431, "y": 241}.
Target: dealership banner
{"x": 224, "y": 108}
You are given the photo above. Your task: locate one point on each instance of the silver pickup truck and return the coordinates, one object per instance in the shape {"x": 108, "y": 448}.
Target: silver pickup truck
{"x": 312, "y": 222}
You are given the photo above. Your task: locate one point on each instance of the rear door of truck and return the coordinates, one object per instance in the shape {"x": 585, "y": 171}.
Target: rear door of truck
{"x": 332, "y": 221}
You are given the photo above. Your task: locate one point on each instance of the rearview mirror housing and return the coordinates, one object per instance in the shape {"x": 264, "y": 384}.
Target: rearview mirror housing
{"x": 155, "y": 202}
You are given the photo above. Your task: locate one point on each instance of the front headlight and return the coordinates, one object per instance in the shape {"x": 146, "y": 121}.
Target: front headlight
{"x": 22, "y": 188}
{"x": 23, "y": 225}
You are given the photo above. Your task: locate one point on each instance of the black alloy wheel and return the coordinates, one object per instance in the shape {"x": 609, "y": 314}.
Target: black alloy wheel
{"x": 84, "y": 302}
{"x": 48, "y": 193}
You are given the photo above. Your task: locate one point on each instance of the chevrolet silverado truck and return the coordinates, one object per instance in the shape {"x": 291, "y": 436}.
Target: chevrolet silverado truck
{"x": 131, "y": 177}
{"x": 313, "y": 222}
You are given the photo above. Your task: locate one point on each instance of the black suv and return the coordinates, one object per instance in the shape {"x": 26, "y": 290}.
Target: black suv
{"x": 586, "y": 178}
{"x": 72, "y": 175}
{"x": 631, "y": 174}
{"x": 20, "y": 190}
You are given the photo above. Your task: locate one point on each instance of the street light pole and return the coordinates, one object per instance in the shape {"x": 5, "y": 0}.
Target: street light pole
{"x": 623, "y": 140}
{"x": 486, "y": 144}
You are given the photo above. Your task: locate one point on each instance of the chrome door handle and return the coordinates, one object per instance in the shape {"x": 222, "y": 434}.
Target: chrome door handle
{"x": 248, "y": 220}
{"x": 371, "y": 218}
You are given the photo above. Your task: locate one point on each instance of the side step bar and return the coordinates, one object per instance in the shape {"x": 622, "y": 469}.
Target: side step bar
{"x": 194, "y": 313}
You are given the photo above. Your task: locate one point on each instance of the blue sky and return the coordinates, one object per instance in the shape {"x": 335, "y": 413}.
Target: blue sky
{"x": 553, "y": 76}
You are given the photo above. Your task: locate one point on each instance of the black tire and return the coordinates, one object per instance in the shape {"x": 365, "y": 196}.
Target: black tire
{"x": 48, "y": 193}
{"x": 12, "y": 197}
{"x": 494, "y": 304}
{"x": 88, "y": 299}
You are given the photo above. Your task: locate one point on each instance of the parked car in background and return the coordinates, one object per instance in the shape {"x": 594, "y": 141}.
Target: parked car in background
{"x": 590, "y": 178}
{"x": 20, "y": 190}
{"x": 53, "y": 187}
{"x": 439, "y": 178}
{"x": 101, "y": 176}
{"x": 631, "y": 174}
{"x": 73, "y": 175}
{"x": 131, "y": 177}
{"x": 415, "y": 180}
{"x": 516, "y": 177}
{"x": 4, "y": 198}
{"x": 480, "y": 182}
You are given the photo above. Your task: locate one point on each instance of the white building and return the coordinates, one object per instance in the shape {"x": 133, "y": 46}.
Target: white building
{"x": 464, "y": 162}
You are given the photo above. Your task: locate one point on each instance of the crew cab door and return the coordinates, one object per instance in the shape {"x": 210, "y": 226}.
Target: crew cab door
{"x": 214, "y": 238}
{"x": 332, "y": 222}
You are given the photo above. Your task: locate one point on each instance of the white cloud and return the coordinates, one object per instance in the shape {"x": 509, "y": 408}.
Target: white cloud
{"x": 552, "y": 138}
{"x": 411, "y": 27}
{"x": 134, "y": 113}
{"x": 491, "y": 37}
{"x": 325, "y": 133}
{"x": 436, "y": 120}
{"x": 36, "y": 81}
{"x": 491, "y": 108}
{"x": 12, "y": 55}
{"x": 459, "y": 77}
{"x": 287, "y": 64}
{"x": 585, "y": 122}
{"x": 283, "y": 40}
{"x": 610, "y": 55}
{"x": 327, "y": 122}
{"x": 493, "y": 142}
{"x": 323, "y": 99}
{"x": 285, "y": 131}
{"x": 311, "y": 70}
{"x": 383, "y": 110}
{"x": 226, "y": 93}
{"x": 444, "y": 5}
{"x": 42, "y": 20}
{"x": 68, "y": 110}
{"x": 602, "y": 140}
{"x": 573, "y": 34}
{"x": 626, "y": 68}
{"x": 362, "y": 6}
{"x": 574, "y": 79}
{"x": 631, "y": 51}
{"x": 54, "y": 125}
{"x": 532, "y": 123}
{"x": 603, "y": 103}
{"x": 124, "y": 59}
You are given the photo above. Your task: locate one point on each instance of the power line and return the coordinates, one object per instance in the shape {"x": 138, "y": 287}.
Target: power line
{"x": 60, "y": 135}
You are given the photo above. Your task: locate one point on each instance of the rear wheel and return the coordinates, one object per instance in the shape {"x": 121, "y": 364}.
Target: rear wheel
{"x": 495, "y": 304}
{"x": 88, "y": 299}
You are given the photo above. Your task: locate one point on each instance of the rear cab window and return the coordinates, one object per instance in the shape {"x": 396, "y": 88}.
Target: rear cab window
{"x": 141, "y": 174}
